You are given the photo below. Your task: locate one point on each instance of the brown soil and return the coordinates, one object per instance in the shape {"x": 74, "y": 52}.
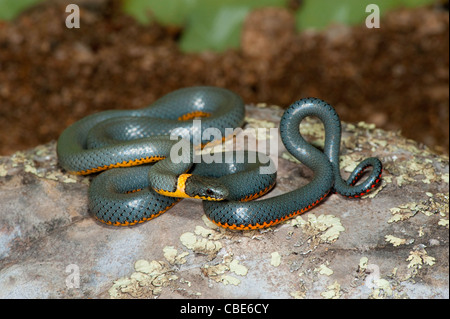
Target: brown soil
{"x": 396, "y": 77}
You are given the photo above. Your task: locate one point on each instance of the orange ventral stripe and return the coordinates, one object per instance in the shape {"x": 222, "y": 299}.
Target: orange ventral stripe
{"x": 133, "y": 191}
{"x": 135, "y": 162}
{"x": 259, "y": 194}
{"x": 214, "y": 143}
{"x": 193, "y": 115}
{"x": 271, "y": 222}
{"x": 117, "y": 223}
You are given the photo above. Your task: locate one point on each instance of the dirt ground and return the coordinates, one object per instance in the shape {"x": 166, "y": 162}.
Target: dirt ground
{"x": 396, "y": 77}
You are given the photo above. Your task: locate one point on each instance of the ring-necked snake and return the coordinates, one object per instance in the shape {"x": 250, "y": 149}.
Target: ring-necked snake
{"x": 126, "y": 196}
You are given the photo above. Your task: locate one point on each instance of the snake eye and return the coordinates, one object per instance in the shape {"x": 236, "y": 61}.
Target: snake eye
{"x": 209, "y": 192}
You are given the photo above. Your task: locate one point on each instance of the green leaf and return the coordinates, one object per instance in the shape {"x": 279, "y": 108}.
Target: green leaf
{"x": 213, "y": 29}
{"x": 209, "y": 24}
{"x": 216, "y": 25}
{"x": 9, "y": 9}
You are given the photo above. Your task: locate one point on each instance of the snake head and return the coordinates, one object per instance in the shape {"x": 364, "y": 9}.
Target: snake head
{"x": 205, "y": 188}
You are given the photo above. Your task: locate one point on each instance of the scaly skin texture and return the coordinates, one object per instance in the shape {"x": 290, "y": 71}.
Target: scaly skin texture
{"x": 113, "y": 198}
{"x": 126, "y": 196}
{"x": 122, "y": 138}
{"x": 271, "y": 211}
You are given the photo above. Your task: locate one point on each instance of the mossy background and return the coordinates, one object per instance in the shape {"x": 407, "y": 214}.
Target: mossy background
{"x": 128, "y": 53}
{"x": 216, "y": 25}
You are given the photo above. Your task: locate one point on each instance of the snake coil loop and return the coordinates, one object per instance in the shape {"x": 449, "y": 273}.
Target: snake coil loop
{"x": 113, "y": 139}
{"x": 325, "y": 166}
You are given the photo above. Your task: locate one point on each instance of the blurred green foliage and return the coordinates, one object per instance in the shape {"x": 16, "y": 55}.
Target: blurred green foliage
{"x": 168, "y": 12}
{"x": 9, "y": 9}
{"x": 209, "y": 24}
{"x": 320, "y": 13}
{"x": 216, "y": 24}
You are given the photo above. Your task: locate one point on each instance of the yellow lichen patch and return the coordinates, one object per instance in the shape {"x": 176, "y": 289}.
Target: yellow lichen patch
{"x": 300, "y": 293}
{"x": 3, "y": 170}
{"x": 324, "y": 270}
{"x": 436, "y": 204}
{"x": 218, "y": 274}
{"x": 147, "y": 281}
{"x": 403, "y": 212}
{"x": 363, "y": 262}
{"x": 349, "y": 162}
{"x": 221, "y": 272}
{"x": 445, "y": 177}
{"x": 41, "y": 162}
{"x": 146, "y": 267}
{"x": 201, "y": 245}
{"x": 443, "y": 222}
{"x": 418, "y": 258}
{"x": 172, "y": 256}
{"x": 325, "y": 227}
{"x": 275, "y": 259}
{"x": 370, "y": 273}
{"x": 366, "y": 126}
{"x": 237, "y": 268}
{"x": 230, "y": 280}
{"x": 216, "y": 270}
{"x": 255, "y": 123}
{"x": 395, "y": 241}
{"x": 415, "y": 169}
{"x": 333, "y": 291}
{"x": 210, "y": 234}
{"x": 381, "y": 290}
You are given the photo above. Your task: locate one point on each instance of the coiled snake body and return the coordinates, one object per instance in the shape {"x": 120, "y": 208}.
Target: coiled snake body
{"x": 112, "y": 140}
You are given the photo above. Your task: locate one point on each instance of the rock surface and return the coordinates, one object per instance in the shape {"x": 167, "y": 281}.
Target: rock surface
{"x": 392, "y": 244}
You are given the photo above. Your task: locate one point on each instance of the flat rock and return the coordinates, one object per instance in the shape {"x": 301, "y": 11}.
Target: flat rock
{"x": 393, "y": 243}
